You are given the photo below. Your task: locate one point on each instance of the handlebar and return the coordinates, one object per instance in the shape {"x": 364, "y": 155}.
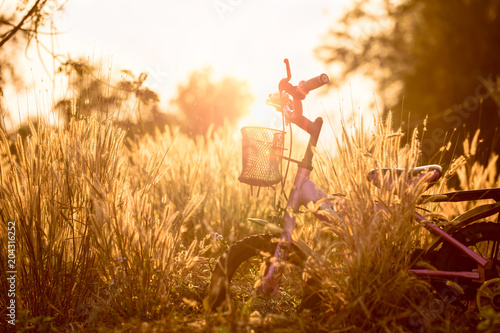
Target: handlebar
{"x": 313, "y": 83}
{"x": 282, "y": 102}
{"x": 304, "y": 87}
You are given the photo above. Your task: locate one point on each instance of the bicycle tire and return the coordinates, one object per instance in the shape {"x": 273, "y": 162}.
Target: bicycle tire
{"x": 484, "y": 239}
{"x": 239, "y": 271}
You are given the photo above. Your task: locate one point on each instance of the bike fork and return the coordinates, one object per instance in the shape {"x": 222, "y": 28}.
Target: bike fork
{"x": 273, "y": 277}
{"x": 304, "y": 191}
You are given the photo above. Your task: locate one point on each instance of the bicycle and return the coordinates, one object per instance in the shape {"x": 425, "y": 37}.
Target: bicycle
{"x": 468, "y": 252}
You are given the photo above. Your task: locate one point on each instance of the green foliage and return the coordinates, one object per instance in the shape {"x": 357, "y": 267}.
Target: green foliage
{"x": 207, "y": 103}
{"x": 37, "y": 324}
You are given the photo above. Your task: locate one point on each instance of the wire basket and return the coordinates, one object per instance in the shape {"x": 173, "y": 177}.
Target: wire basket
{"x": 262, "y": 150}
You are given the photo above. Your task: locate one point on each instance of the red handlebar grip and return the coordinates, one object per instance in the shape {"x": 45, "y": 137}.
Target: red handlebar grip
{"x": 314, "y": 83}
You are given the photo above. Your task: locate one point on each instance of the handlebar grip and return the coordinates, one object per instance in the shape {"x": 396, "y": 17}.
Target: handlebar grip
{"x": 314, "y": 83}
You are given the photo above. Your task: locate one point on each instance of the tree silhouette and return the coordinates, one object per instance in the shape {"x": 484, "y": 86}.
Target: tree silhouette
{"x": 20, "y": 25}
{"x": 88, "y": 95}
{"x": 128, "y": 102}
{"x": 27, "y": 18}
{"x": 205, "y": 102}
{"x": 435, "y": 58}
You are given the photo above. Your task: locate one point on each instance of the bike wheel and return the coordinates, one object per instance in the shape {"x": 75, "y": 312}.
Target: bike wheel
{"x": 240, "y": 271}
{"x": 484, "y": 239}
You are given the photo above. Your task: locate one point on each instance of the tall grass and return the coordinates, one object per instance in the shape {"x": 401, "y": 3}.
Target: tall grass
{"x": 91, "y": 244}
{"x": 369, "y": 288}
{"x": 209, "y": 167}
{"x": 114, "y": 229}
{"x": 471, "y": 174}
{"x": 111, "y": 227}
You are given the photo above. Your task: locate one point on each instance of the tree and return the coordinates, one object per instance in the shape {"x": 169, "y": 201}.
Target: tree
{"x": 128, "y": 102}
{"x": 435, "y": 57}
{"x": 28, "y": 17}
{"x": 19, "y": 26}
{"x": 205, "y": 102}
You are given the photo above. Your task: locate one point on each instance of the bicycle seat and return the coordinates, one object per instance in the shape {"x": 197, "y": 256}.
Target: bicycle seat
{"x": 433, "y": 172}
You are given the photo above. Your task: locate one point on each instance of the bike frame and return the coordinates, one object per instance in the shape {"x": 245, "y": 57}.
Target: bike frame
{"x": 305, "y": 191}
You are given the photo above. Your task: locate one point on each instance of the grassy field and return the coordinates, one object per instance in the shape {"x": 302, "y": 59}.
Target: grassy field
{"x": 115, "y": 233}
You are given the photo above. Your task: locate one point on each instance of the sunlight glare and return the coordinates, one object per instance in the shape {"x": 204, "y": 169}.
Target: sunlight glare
{"x": 261, "y": 115}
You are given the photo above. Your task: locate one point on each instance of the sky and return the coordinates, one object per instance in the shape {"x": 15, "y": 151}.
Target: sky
{"x": 247, "y": 39}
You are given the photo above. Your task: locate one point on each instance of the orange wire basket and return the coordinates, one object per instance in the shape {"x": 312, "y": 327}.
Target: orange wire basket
{"x": 262, "y": 152}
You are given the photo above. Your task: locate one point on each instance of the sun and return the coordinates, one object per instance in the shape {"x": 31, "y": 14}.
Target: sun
{"x": 261, "y": 115}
